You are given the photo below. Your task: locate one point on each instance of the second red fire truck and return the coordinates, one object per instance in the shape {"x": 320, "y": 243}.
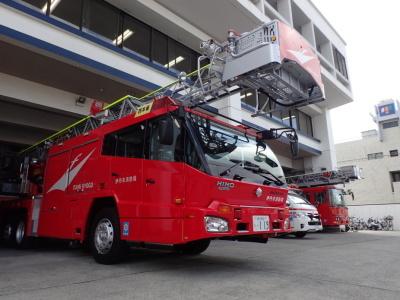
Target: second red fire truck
{"x": 324, "y": 192}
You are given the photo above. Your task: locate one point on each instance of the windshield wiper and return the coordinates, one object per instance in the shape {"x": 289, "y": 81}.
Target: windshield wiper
{"x": 226, "y": 172}
{"x": 248, "y": 165}
{"x": 256, "y": 169}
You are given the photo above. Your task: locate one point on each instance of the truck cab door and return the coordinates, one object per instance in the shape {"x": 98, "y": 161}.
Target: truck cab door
{"x": 123, "y": 149}
{"x": 163, "y": 182}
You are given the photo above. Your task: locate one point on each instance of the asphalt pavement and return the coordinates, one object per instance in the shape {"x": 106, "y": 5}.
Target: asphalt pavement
{"x": 353, "y": 265}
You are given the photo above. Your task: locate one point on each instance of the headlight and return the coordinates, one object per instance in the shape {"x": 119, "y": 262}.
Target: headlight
{"x": 298, "y": 214}
{"x": 214, "y": 224}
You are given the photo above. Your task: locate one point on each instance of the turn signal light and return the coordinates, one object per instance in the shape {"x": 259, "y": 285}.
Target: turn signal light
{"x": 224, "y": 209}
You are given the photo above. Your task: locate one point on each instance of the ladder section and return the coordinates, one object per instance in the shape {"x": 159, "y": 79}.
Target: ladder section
{"x": 343, "y": 175}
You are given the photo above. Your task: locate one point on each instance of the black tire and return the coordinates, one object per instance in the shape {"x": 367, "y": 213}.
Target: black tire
{"x": 7, "y": 233}
{"x": 192, "y": 248}
{"x": 300, "y": 234}
{"x": 110, "y": 249}
{"x": 14, "y": 233}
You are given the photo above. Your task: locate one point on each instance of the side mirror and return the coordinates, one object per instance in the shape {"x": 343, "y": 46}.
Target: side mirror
{"x": 166, "y": 131}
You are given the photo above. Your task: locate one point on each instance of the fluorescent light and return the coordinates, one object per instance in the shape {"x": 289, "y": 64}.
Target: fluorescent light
{"x": 127, "y": 33}
{"x": 53, "y": 5}
{"x": 247, "y": 95}
{"x": 174, "y": 62}
{"x": 285, "y": 118}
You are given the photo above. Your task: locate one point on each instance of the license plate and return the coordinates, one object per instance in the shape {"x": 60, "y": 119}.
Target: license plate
{"x": 260, "y": 223}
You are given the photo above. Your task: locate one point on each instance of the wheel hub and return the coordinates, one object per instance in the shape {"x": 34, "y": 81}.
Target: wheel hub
{"x": 104, "y": 236}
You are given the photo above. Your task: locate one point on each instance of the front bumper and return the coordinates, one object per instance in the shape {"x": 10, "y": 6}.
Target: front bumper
{"x": 305, "y": 224}
{"x": 240, "y": 220}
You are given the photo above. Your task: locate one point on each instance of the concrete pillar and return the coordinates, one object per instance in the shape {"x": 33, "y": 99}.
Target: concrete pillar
{"x": 327, "y": 52}
{"x": 322, "y": 131}
{"x": 285, "y": 9}
{"x": 307, "y": 30}
{"x": 230, "y": 106}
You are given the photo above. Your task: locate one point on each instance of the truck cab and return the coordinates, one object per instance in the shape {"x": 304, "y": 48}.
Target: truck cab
{"x": 330, "y": 202}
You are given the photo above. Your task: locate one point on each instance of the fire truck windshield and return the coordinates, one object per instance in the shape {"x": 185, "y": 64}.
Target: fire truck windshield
{"x": 336, "y": 197}
{"x": 233, "y": 154}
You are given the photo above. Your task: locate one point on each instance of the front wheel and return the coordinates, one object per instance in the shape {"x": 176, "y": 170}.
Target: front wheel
{"x": 192, "y": 248}
{"x": 105, "y": 238}
{"x": 300, "y": 234}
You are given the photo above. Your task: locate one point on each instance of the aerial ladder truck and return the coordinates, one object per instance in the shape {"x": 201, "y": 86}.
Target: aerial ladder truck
{"x": 325, "y": 190}
{"x": 162, "y": 170}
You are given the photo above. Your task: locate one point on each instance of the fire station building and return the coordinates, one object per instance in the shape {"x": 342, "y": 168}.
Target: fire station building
{"x": 57, "y": 56}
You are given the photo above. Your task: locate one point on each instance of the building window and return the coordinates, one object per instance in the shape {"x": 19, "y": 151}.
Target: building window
{"x": 340, "y": 63}
{"x": 377, "y": 155}
{"x": 394, "y": 153}
{"x": 294, "y": 118}
{"x": 159, "y": 46}
{"x": 135, "y": 36}
{"x": 103, "y": 20}
{"x": 180, "y": 58}
{"x": 70, "y": 11}
{"x": 390, "y": 124}
{"x": 111, "y": 24}
{"x": 395, "y": 176}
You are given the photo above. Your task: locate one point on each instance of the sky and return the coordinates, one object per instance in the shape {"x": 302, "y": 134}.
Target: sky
{"x": 371, "y": 30}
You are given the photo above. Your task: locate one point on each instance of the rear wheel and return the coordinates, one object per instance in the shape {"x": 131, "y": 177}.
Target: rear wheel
{"x": 300, "y": 234}
{"x": 105, "y": 238}
{"x": 192, "y": 248}
{"x": 14, "y": 233}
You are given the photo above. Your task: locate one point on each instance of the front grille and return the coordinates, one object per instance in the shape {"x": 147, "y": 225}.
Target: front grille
{"x": 314, "y": 223}
{"x": 242, "y": 227}
{"x": 313, "y": 216}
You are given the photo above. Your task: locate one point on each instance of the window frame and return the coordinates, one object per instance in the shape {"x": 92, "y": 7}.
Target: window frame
{"x": 340, "y": 62}
{"x": 115, "y": 133}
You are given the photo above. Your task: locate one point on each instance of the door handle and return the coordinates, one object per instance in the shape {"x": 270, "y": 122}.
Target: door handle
{"x": 150, "y": 181}
{"x": 114, "y": 174}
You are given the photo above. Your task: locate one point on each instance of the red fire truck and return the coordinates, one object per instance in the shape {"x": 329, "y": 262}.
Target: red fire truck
{"x": 323, "y": 191}
{"x": 163, "y": 170}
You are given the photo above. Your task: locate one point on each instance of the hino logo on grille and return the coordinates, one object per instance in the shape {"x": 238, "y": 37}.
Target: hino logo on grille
{"x": 225, "y": 186}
